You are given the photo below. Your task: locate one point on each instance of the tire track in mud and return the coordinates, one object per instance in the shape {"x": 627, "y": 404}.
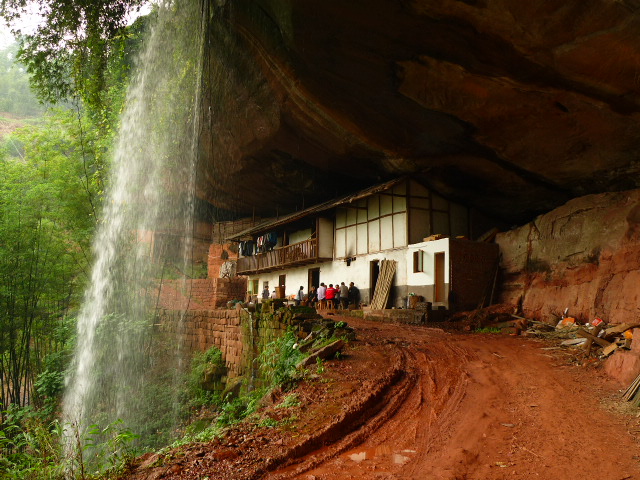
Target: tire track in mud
{"x": 419, "y": 412}
{"x": 481, "y": 407}
{"x": 445, "y": 380}
{"x": 371, "y": 414}
{"x": 412, "y": 402}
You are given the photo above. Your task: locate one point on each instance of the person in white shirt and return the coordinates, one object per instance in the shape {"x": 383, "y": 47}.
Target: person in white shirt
{"x": 300, "y": 296}
{"x": 322, "y": 295}
{"x": 344, "y": 296}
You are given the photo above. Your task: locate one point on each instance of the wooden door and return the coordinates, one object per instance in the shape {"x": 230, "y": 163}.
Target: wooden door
{"x": 439, "y": 280}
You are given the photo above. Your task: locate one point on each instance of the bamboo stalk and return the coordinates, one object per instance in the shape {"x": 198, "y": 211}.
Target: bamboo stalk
{"x": 383, "y": 285}
{"x": 631, "y": 391}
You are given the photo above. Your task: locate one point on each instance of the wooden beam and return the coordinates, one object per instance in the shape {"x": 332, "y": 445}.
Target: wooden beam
{"x": 583, "y": 333}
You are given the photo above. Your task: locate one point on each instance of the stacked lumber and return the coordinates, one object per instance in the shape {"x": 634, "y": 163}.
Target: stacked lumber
{"x": 607, "y": 340}
{"x": 383, "y": 285}
{"x": 631, "y": 394}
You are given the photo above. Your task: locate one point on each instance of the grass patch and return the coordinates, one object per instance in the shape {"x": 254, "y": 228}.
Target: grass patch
{"x": 488, "y": 330}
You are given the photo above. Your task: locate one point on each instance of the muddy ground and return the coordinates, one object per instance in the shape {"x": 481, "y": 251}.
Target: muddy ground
{"x": 412, "y": 402}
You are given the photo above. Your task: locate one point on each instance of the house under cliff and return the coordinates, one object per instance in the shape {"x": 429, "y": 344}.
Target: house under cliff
{"x": 424, "y": 235}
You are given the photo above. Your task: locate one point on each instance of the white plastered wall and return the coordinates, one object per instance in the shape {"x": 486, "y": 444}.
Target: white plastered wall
{"x": 426, "y": 277}
{"x": 357, "y": 272}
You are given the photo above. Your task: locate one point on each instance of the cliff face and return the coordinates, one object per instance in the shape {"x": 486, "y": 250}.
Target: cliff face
{"x": 584, "y": 256}
{"x": 512, "y": 106}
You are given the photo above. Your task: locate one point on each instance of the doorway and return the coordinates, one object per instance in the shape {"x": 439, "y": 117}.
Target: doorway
{"x": 374, "y": 273}
{"x": 313, "y": 279}
{"x": 439, "y": 284}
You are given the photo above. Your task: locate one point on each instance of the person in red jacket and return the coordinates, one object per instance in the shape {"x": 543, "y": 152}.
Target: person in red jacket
{"x": 331, "y": 295}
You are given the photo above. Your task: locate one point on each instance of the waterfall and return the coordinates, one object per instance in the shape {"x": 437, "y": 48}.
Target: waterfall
{"x": 119, "y": 371}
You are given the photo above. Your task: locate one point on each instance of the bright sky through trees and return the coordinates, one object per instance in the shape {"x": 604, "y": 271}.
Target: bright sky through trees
{"x": 5, "y": 37}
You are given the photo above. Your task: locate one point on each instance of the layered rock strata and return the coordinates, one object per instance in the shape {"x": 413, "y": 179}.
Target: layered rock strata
{"x": 584, "y": 256}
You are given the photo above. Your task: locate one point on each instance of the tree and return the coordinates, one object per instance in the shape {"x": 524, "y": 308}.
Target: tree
{"x": 15, "y": 92}
{"x": 69, "y": 54}
{"x": 48, "y": 199}
{"x": 52, "y": 176}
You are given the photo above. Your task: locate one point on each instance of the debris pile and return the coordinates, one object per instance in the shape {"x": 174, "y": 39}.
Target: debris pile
{"x": 595, "y": 338}
{"x": 489, "y": 317}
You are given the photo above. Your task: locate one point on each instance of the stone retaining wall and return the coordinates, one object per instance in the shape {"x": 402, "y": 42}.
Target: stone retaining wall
{"x": 201, "y": 293}
{"x": 235, "y": 333}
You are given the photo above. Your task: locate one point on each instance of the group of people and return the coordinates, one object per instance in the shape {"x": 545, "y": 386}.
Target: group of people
{"x": 332, "y": 297}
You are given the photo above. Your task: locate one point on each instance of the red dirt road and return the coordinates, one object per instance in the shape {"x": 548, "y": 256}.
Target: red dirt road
{"x": 412, "y": 402}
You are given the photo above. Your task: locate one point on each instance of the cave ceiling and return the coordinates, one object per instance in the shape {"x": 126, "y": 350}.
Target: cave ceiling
{"x": 509, "y": 106}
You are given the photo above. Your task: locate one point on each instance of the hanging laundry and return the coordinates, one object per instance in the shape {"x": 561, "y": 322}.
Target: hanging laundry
{"x": 247, "y": 248}
{"x": 271, "y": 239}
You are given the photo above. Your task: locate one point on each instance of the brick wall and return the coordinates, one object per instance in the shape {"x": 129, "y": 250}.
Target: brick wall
{"x": 225, "y": 289}
{"x": 201, "y": 293}
{"x": 473, "y": 269}
{"x": 219, "y": 254}
{"x": 234, "y": 332}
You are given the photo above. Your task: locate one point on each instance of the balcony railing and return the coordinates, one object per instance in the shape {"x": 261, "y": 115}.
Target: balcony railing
{"x": 290, "y": 255}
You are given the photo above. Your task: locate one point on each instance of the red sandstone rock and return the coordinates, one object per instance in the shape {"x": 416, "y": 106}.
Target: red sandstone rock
{"x": 514, "y": 106}
{"x": 584, "y": 256}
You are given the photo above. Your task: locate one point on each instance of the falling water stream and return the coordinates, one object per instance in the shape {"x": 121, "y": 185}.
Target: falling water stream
{"x": 119, "y": 372}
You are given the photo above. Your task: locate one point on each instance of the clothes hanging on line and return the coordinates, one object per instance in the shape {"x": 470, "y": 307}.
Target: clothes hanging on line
{"x": 247, "y": 248}
{"x": 271, "y": 239}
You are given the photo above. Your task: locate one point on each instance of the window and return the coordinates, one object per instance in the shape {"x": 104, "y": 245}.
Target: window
{"x": 418, "y": 261}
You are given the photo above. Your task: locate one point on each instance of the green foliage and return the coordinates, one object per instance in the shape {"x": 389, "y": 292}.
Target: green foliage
{"x": 70, "y": 52}
{"x": 16, "y": 96}
{"x": 239, "y": 408}
{"x": 268, "y": 422}
{"x": 30, "y": 446}
{"x": 108, "y": 449}
{"x": 48, "y": 386}
{"x": 277, "y": 365}
{"x": 46, "y": 222}
{"x": 319, "y": 366}
{"x": 488, "y": 330}
{"x": 207, "y": 434}
{"x": 291, "y": 400}
{"x": 279, "y": 359}
{"x": 200, "y": 364}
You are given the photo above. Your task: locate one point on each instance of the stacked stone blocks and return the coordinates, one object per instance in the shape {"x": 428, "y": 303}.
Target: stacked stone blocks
{"x": 233, "y": 331}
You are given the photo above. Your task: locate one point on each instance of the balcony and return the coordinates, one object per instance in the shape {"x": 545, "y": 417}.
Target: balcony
{"x": 301, "y": 253}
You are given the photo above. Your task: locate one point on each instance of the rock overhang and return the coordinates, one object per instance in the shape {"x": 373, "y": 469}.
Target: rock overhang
{"x": 512, "y": 108}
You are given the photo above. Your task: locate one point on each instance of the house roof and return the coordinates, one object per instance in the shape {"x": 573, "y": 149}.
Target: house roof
{"x": 271, "y": 224}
